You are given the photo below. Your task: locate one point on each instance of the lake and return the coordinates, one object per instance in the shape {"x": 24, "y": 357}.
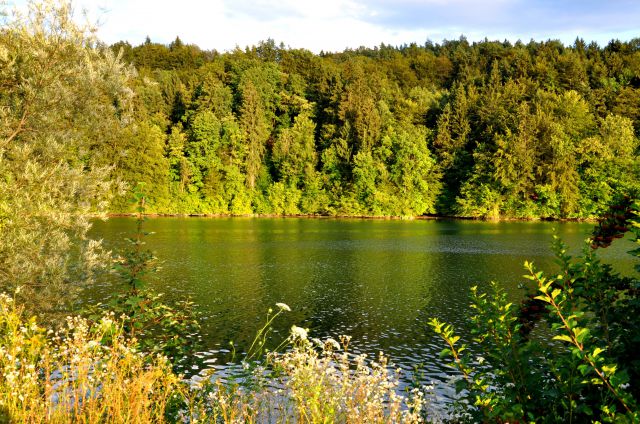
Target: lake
{"x": 378, "y": 281}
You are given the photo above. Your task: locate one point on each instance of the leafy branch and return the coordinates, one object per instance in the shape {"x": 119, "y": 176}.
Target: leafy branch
{"x": 578, "y": 337}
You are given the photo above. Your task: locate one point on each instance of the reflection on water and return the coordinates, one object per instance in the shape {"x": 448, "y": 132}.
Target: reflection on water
{"x": 378, "y": 281}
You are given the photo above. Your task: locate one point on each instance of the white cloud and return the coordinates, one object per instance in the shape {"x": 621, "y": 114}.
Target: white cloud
{"x": 334, "y": 25}
{"x": 329, "y": 25}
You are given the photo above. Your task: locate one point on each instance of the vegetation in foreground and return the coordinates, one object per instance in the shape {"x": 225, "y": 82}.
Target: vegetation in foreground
{"x": 582, "y": 366}
{"x": 91, "y": 372}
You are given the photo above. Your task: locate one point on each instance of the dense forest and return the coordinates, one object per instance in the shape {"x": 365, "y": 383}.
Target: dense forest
{"x": 487, "y": 129}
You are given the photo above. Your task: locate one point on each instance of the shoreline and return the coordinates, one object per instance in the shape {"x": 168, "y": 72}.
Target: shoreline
{"x": 358, "y": 217}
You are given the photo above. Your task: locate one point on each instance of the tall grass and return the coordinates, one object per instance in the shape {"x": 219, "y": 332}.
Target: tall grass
{"x": 89, "y": 372}
{"x": 81, "y": 373}
{"x": 313, "y": 382}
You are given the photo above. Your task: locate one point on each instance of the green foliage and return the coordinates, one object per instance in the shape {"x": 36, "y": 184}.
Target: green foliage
{"x": 155, "y": 325}
{"x": 136, "y": 262}
{"x": 64, "y": 102}
{"x": 484, "y": 130}
{"x": 587, "y": 370}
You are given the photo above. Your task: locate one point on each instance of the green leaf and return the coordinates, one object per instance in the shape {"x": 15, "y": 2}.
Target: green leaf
{"x": 581, "y": 334}
{"x": 584, "y": 369}
{"x": 563, "y": 337}
{"x": 446, "y": 352}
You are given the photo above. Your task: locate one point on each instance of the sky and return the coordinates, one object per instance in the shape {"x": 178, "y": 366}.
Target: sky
{"x": 333, "y": 25}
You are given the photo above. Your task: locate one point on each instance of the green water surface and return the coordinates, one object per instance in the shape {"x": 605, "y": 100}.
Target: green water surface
{"x": 378, "y": 281}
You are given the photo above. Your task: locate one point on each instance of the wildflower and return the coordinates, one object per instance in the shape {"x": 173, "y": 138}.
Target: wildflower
{"x": 298, "y": 333}
{"x": 331, "y": 342}
{"x": 283, "y": 306}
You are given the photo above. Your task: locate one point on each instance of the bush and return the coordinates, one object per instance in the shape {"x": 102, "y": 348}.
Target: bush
{"x": 168, "y": 328}
{"x": 62, "y": 95}
{"x": 589, "y": 369}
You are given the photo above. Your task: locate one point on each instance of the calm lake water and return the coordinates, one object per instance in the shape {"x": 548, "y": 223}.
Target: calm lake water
{"x": 375, "y": 280}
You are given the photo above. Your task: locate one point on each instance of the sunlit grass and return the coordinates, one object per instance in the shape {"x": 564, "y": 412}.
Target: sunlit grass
{"x": 82, "y": 373}
{"x": 313, "y": 382}
{"x": 90, "y": 373}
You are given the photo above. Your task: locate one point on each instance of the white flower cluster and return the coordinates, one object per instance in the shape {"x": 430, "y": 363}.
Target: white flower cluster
{"x": 283, "y": 307}
{"x": 298, "y": 333}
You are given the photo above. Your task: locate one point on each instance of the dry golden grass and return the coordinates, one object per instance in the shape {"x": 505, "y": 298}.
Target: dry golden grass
{"x": 83, "y": 373}
{"x": 89, "y": 373}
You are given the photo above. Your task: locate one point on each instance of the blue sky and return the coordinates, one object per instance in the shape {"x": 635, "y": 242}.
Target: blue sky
{"x": 333, "y": 25}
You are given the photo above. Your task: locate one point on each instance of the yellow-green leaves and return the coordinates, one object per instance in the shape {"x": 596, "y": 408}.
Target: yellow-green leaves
{"x": 563, "y": 337}
{"x": 61, "y": 98}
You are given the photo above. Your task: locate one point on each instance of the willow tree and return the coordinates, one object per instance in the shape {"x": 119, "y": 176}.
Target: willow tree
{"x": 62, "y": 96}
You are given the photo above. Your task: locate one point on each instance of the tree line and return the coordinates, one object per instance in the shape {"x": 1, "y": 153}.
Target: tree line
{"x": 484, "y": 129}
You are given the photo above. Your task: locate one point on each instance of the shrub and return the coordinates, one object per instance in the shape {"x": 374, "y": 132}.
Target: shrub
{"x": 62, "y": 94}
{"x": 168, "y": 328}
{"x": 589, "y": 369}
